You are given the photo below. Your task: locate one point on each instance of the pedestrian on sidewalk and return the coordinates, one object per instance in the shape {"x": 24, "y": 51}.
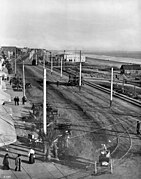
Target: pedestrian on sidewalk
{"x": 31, "y": 156}
{"x": 138, "y": 127}
{"x": 18, "y": 100}
{"x": 18, "y": 162}
{"x": 55, "y": 149}
{"x": 15, "y": 100}
{"x": 6, "y": 162}
{"x": 23, "y": 100}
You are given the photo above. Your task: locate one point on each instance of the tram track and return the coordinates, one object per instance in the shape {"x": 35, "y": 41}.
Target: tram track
{"x": 118, "y": 152}
{"x": 124, "y": 145}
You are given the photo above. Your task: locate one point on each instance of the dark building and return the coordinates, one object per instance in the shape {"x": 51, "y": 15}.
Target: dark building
{"x": 12, "y": 50}
{"x": 130, "y": 69}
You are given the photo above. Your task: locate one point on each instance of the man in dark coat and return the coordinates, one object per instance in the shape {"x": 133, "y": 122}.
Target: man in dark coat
{"x": 23, "y": 100}
{"x": 18, "y": 163}
{"x": 138, "y": 127}
{"x": 18, "y": 100}
{"x": 15, "y": 100}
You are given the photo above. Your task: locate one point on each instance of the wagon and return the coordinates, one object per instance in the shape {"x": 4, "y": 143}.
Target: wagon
{"x": 104, "y": 164}
{"x": 74, "y": 80}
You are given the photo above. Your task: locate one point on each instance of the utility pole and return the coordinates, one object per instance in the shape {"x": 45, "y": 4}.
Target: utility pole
{"x": 51, "y": 60}
{"x": 61, "y": 67}
{"x": 134, "y": 91}
{"x": 111, "y": 87}
{"x": 44, "y": 110}
{"x": 15, "y": 62}
{"x": 44, "y": 97}
{"x": 80, "y": 72}
{"x": 36, "y": 57}
{"x": 23, "y": 80}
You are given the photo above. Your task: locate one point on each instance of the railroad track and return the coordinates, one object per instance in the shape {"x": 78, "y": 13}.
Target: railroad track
{"x": 115, "y": 94}
{"x": 124, "y": 140}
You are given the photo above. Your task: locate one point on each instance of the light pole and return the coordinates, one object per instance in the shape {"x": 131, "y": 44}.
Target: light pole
{"x": 15, "y": 62}
{"x": 111, "y": 87}
{"x": 44, "y": 97}
{"x": 61, "y": 67}
{"x": 23, "y": 80}
{"x": 80, "y": 72}
{"x": 51, "y": 61}
{"x": 44, "y": 108}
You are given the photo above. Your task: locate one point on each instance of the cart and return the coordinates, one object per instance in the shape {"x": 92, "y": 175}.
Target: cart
{"x": 104, "y": 164}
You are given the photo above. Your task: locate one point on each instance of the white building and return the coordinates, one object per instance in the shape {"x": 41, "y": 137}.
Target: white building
{"x": 74, "y": 58}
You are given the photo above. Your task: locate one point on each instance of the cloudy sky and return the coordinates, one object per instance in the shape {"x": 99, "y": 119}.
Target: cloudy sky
{"x": 71, "y": 24}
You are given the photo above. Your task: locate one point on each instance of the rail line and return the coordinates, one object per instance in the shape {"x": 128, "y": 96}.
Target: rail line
{"x": 115, "y": 94}
{"x": 124, "y": 144}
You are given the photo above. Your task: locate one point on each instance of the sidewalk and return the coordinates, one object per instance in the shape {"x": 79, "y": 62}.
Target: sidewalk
{"x": 40, "y": 169}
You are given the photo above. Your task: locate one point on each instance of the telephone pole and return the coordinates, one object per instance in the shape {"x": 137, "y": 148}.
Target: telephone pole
{"x": 23, "y": 80}
{"x": 80, "y": 72}
{"x": 51, "y": 61}
{"x": 15, "y": 62}
{"x": 44, "y": 97}
{"x": 111, "y": 87}
{"x": 61, "y": 67}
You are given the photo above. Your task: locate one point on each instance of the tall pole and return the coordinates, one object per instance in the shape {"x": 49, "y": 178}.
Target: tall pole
{"x": 134, "y": 91}
{"x": 36, "y": 57}
{"x": 111, "y": 87}
{"x": 80, "y": 72}
{"x": 51, "y": 60}
{"x": 61, "y": 67}
{"x": 64, "y": 55}
{"x": 44, "y": 98}
{"x": 23, "y": 80}
{"x": 15, "y": 62}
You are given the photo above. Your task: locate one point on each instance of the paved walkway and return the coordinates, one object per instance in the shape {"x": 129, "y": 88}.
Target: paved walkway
{"x": 40, "y": 169}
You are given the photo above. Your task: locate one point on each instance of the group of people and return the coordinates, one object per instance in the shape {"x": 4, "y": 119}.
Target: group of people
{"x": 18, "y": 161}
{"x": 16, "y": 100}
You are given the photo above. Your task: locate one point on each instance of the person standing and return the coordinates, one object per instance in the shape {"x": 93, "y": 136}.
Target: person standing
{"x": 18, "y": 163}
{"x": 6, "y": 162}
{"x": 23, "y": 100}
{"x": 138, "y": 127}
{"x": 31, "y": 156}
{"x": 18, "y": 100}
{"x": 15, "y": 100}
{"x": 55, "y": 149}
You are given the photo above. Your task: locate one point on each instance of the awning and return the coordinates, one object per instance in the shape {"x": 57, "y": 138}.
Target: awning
{"x": 7, "y": 129}
{"x": 4, "y": 97}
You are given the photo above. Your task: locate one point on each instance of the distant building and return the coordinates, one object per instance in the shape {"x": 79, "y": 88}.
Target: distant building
{"x": 10, "y": 50}
{"x": 72, "y": 57}
{"x": 130, "y": 69}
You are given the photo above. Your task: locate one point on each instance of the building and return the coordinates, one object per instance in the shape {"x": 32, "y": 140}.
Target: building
{"x": 131, "y": 69}
{"x": 71, "y": 57}
{"x": 10, "y": 50}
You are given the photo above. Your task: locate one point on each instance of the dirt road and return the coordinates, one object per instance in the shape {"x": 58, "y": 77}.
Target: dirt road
{"x": 93, "y": 122}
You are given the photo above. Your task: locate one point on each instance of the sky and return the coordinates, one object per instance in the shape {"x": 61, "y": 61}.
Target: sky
{"x": 71, "y": 24}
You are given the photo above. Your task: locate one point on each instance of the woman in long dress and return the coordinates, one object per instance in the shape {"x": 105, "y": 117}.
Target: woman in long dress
{"x": 31, "y": 156}
{"x": 6, "y": 162}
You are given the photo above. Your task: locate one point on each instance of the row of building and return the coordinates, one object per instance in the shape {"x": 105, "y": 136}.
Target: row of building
{"x": 66, "y": 56}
